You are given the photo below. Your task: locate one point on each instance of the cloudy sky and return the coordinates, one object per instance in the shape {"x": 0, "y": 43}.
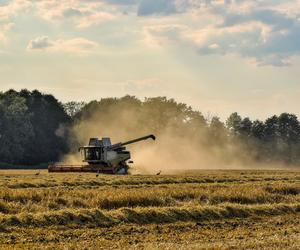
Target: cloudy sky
{"x": 219, "y": 56}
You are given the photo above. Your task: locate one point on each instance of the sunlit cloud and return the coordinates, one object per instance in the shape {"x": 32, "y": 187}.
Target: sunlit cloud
{"x": 81, "y": 13}
{"x": 7, "y": 12}
{"x": 264, "y": 32}
{"x": 253, "y": 31}
{"x": 77, "y": 46}
{"x": 12, "y": 8}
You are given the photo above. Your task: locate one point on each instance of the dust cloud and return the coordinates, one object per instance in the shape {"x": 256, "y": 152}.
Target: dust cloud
{"x": 176, "y": 147}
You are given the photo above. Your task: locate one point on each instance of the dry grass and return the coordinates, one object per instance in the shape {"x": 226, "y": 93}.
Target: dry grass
{"x": 32, "y": 200}
{"x": 75, "y": 202}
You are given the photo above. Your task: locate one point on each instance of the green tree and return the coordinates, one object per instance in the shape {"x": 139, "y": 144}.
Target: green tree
{"x": 47, "y": 118}
{"x": 234, "y": 124}
{"x": 218, "y": 134}
{"x": 257, "y": 130}
{"x": 289, "y": 134}
{"x": 257, "y": 140}
{"x": 16, "y": 128}
{"x": 73, "y": 108}
{"x": 271, "y": 139}
{"x": 245, "y": 127}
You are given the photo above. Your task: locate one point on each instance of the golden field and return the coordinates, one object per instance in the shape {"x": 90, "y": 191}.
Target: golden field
{"x": 232, "y": 209}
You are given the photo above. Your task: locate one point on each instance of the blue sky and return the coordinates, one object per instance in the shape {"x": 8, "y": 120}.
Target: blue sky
{"x": 218, "y": 56}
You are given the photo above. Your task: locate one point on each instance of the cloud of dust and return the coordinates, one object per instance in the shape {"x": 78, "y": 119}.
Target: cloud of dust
{"x": 176, "y": 148}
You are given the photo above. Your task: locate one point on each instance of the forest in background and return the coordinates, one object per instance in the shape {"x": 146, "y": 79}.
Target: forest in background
{"x": 36, "y": 128}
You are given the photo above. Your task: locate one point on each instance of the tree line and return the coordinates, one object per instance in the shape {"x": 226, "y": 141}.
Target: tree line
{"x": 29, "y": 124}
{"x": 36, "y": 128}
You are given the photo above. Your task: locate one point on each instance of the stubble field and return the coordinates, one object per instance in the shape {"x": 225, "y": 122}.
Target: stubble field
{"x": 192, "y": 210}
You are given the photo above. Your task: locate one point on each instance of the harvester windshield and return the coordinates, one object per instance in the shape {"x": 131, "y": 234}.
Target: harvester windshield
{"x": 91, "y": 153}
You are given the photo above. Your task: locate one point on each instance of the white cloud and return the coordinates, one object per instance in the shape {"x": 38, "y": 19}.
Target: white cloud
{"x": 275, "y": 60}
{"x": 81, "y": 13}
{"x": 267, "y": 32}
{"x": 77, "y": 46}
{"x": 7, "y": 12}
{"x": 161, "y": 35}
{"x": 12, "y": 8}
{"x": 39, "y": 43}
{"x": 94, "y": 19}
{"x": 250, "y": 29}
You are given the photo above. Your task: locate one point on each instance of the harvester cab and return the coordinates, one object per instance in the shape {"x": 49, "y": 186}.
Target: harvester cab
{"x": 102, "y": 156}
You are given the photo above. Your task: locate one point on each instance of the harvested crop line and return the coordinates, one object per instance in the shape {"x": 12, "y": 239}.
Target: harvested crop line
{"x": 132, "y": 181}
{"x": 145, "y": 215}
{"x": 203, "y": 210}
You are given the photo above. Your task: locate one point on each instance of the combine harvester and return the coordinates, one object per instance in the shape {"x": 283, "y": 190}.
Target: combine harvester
{"x": 100, "y": 156}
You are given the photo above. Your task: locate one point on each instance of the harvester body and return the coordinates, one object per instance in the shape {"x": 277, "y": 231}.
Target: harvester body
{"x": 102, "y": 157}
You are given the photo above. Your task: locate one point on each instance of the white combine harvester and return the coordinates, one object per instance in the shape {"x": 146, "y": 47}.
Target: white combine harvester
{"x": 100, "y": 156}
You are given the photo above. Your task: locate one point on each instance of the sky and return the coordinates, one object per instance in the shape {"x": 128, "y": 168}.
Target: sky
{"x": 219, "y": 56}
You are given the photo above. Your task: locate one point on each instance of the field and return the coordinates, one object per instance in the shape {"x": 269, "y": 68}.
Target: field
{"x": 192, "y": 210}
